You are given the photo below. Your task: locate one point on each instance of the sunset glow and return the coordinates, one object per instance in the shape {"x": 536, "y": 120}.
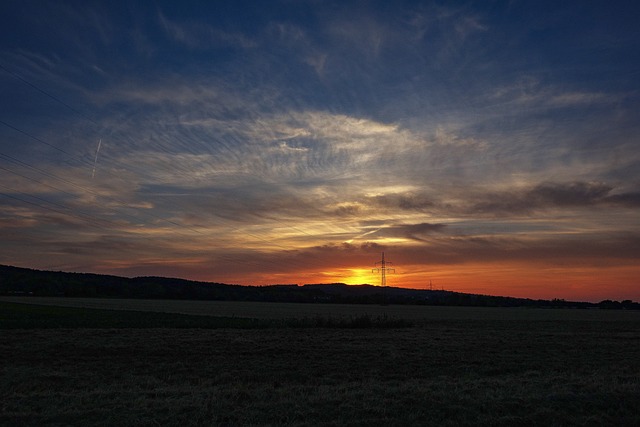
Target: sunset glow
{"x": 487, "y": 148}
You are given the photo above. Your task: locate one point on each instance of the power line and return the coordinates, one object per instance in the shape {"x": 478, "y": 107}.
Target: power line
{"x": 94, "y": 193}
{"x": 38, "y": 139}
{"x": 55, "y": 98}
{"x": 81, "y": 216}
{"x": 25, "y": 81}
{"x": 115, "y": 199}
{"x": 93, "y": 220}
{"x": 232, "y": 228}
{"x": 92, "y": 164}
{"x": 85, "y": 189}
{"x": 383, "y": 270}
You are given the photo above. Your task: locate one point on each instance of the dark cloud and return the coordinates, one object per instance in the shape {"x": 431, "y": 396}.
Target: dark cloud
{"x": 348, "y": 247}
{"x": 543, "y": 196}
{"x": 240, "y": 203}
{"x": 552, "y": 196}
{"x": 629, "y": 200}
{"x": 403, "y": 201}
{"x": 350, "y": 210}
{"x": 417, "y": 232}
{"x": 598, "y": 250}
{"x": 573, "y": 194}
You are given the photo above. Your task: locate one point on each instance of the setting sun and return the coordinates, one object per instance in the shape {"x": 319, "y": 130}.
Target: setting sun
{"x": 359, "y": 276}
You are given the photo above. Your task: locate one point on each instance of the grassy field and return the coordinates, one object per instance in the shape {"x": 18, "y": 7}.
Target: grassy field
{"x": 273, "y": 310}
{"x": 451, "y": 366}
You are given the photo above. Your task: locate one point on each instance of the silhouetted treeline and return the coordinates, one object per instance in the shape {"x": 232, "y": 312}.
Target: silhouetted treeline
{"x": 22, "y": 281}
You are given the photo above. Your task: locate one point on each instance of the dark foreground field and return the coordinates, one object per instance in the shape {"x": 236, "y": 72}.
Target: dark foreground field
{"x": 70, "y": 366}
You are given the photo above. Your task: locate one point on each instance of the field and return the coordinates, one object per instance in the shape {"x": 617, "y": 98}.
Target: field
{"x": 304, "y": 364}
{"x": 273, "y": 310}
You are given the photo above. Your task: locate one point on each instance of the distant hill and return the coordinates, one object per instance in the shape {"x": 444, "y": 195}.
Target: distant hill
{"x": 23, "y": 281}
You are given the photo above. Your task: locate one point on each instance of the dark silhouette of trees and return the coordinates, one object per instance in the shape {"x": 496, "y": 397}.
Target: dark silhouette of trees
{"x": 22, "y": 281}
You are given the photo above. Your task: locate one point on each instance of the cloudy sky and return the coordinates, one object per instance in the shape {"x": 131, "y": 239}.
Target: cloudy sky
{"x": 488, "y": 147}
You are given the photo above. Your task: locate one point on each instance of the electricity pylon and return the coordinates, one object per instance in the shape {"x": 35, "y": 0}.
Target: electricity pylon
{"x": 383, "y": 270}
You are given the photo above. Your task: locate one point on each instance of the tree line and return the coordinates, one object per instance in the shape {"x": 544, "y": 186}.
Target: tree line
{"x": 28, "y": 282}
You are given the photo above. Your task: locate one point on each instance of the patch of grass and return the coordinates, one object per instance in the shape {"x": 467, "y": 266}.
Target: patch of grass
{"x": 31, "y": 316}
{"x": 28, "y": 316}
{"x": 363, "y": 321}
{"x": 440, "y": 375}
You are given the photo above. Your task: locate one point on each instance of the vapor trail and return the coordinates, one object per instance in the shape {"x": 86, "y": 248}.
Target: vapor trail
{"x": 95, "y": 160}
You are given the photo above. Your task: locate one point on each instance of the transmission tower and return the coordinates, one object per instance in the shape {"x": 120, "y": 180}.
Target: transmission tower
{"x": 383, "y": 270}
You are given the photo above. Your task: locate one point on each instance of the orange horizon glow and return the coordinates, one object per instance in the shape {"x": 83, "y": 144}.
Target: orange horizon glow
{"x": 521, "y": 281}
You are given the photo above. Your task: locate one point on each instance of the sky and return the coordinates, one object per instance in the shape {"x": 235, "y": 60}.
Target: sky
{"x": 489, "y": 147}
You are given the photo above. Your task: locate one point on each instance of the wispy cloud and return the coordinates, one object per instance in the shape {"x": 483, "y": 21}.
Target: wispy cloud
{"x": 530, "y": 92}
{"x": 197, "y": 35}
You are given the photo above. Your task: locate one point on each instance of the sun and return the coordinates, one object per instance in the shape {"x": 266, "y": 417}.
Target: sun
{"x": 359, "y": 276}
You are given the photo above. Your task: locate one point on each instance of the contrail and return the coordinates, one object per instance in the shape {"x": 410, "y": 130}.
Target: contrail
{"x": 95, "y": 160}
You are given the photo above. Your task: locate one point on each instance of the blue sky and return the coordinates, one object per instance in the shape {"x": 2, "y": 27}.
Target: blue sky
{"x": 489, "y": 146}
